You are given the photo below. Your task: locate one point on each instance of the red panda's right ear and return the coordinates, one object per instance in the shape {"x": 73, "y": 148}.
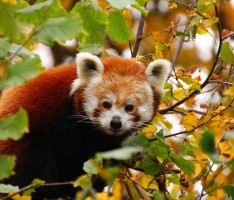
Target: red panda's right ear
{"x": 88, "y": 66}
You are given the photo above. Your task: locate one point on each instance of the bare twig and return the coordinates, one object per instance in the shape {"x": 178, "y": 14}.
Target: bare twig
{"x": 221, "y": 82}
{"x": 179, "y": 47}
{"x": 163, "y": 111}
{"x": 28, "y": 187}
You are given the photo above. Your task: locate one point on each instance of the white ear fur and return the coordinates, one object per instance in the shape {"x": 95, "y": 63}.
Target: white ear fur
{"x": 157, "y": 73}
{"x": 88, "y": 66}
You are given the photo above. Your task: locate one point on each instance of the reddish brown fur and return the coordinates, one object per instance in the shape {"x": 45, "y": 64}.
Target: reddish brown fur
{"x": 36, "y": 98}
{"x": 44, "y": 106}
{"x": 45, "y": 95}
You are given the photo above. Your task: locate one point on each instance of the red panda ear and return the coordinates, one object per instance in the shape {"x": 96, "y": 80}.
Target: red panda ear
{"x": 157, "y": 73}
{"x": 88, "y": 66}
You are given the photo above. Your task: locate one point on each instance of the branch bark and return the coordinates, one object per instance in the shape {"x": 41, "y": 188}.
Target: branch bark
{"x": 138, "y": 36}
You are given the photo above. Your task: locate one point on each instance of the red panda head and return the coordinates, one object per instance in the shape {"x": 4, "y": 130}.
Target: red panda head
{"x": 119, "y": 95}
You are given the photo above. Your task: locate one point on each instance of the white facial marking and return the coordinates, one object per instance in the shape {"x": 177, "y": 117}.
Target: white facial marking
{"x": 106, "y": 117}
{"x": 143, "y": 113}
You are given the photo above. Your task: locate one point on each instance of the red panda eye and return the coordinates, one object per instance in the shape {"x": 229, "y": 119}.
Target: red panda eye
{"x": 129, "y": 108}
{"x": 107, "y": 105}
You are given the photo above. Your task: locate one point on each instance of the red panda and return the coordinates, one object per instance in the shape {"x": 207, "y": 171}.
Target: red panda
{"x": 76, "y": 110}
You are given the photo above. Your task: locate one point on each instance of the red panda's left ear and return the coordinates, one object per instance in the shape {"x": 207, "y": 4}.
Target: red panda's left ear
{"x": 157, "y": 73}
{"x": 88, "y": 66}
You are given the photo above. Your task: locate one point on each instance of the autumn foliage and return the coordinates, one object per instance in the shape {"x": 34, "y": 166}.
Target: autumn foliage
{"x": 187, "y": 152}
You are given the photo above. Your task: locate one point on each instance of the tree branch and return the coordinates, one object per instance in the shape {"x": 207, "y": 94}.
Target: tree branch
{"x": 138, "y": 36}
{"x": 163, "y": 111}
{"x": 28, "y": 187}
{"x": 198, "y": 126}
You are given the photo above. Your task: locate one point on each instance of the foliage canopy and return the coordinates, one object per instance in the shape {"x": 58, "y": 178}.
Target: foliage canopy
{"x": 188, "y": 150}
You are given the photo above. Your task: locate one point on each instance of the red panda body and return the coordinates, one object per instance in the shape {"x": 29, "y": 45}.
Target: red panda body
{"x": 71, "y": 117}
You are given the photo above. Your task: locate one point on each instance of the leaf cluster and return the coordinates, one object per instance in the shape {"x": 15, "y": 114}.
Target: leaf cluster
{"x": 160, "y": 161}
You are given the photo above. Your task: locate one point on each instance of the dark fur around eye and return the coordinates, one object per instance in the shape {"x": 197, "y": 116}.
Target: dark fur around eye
{"x": 106, "y": 105}
{"x": 129, "y": 107}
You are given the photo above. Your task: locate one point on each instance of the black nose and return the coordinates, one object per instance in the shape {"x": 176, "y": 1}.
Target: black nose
{"x": 116, "y": 123}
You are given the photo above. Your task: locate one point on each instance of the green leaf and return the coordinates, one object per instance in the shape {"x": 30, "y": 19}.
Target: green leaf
{"x": 168, "y": 85}
{"x": 118, "y": 28}
{"x": 168, "y": 97}
{"x": 180, "y": 33}
{"x": 140, "y": 141}
{"x": 207, "y": 144}
{"x": 5, "y": 189}
{"x": 124, "y": 153}
{"x": 174, "y": 178}
{"x": 35, "y": 182}
{"x": 91, "y": 48}
{"x": 204, "y": 5}
{"x": 95, "y": 23}
{"x": 159, "y": 149}
{"x": 59, "y": 29}
{"x": 42, "y": 10}
{"x": 9, "y": 26}
{"x": 21, "y": 71}
{"x": 229, "y": 189}
{"x": 85, "y": 182}
{"x": 122, "y": 4}
{"x": 159, "y": 196}
{"x": 195, "y": 86}
{"x": 187, "y": 166}
{"x": 21, "y": 51}
{"x": 89, "y": 166}
{"x": 141, "y": 9}
{"x": 14, "y": 126}
{"x": 7, "y": 164}
{"x": 187, "y": 150}
{"x": 4, "y": 46}
{"x": 226, "y": 53}
{"x": 149, "y": 166}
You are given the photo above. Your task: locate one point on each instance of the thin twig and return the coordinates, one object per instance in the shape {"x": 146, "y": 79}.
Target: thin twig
{"x": 139, "y": 35}
{"x": 181, "y": 41}
{"x": 28, "y": 187}
{"x": 198, "y": 126}
{"x": 32, "y": 33}
{"x": 163, "y": 111}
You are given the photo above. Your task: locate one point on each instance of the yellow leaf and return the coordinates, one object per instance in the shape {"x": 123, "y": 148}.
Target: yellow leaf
{"x": 128, "y": 16}
{"x": 172, "y": 6}
{"x": 11, "y": 2}
{"x": 117, "y": 188}
{"x": 226, "y": 150}
{"x": 201, "y": 30}
{"x": 218, "y": 122}
{"x": 167, "y": 124}
{"x": 149, "y": 131}
{"x": 179, "y": 94}
{"x": 104, "y": 195}
{"x": 189, "y": 121}
{"x": 230, "y": 91}
{"x": 19, "y": 197}
{"x": 190, "y": 102}
{"x": 146, "y": 181}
